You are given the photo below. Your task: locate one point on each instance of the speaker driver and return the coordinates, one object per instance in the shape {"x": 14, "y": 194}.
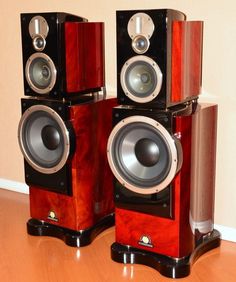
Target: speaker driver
{"x": 140, "y": 44}
{"x": 140, "y": 24}
{"x": 141, "y": 79}
{"x": 142, "y": 154}
{"x": 44, "y": 139}
{"x": 39, "y": 42}
{"x": 40, "y": 73}
{"x": 38, "y": 26}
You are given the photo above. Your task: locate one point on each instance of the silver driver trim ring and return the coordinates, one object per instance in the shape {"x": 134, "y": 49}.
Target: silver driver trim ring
{"x": 39, "y": 36}
{"x": 134, "y": 44}
{"x": 65, "y": 135}
{"x": 154, "y": 66}
{"x": 173, "y": 150}
{"x": 52, "y": 68}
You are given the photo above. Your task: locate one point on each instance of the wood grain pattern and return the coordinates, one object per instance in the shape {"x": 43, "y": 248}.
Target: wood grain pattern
{"x": 204, "y": 156}
{"x": 84, "y": 52}
{"x": 92, "y": 180}
{"x": 193, "y": 184}
{"x": 171, "y": 237}
{"x": 186, "y": 68}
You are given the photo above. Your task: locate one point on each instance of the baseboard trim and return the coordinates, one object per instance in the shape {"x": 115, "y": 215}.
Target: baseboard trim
{"x": 227, "y": 233}
{"x": 14, "y": 186}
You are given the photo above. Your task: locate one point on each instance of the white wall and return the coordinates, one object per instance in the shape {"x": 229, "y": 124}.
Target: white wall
{"x": 219, "y": 77}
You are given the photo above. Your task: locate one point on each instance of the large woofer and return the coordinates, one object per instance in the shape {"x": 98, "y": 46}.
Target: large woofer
{"x": 142, "y": 154}
{"x": 44, "y": 139}
{"x": 40, "y": 73}
{"x": 141, "y": 79}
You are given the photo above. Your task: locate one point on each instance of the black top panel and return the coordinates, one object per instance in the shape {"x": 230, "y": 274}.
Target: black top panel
{"x": 58, "y": 17}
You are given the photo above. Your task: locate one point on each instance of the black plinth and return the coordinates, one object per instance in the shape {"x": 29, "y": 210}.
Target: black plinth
{"x": 167, "y": 266}
{"x": 70, "y": 237}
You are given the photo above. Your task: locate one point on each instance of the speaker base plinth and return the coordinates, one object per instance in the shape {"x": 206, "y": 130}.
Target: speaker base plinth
{"x": 167, "y": 266}
{"x": 71, "y": 238}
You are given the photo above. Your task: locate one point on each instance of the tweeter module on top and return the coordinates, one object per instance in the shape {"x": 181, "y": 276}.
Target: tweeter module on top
{"x": 140, "y": 29}
{"x": 173, "y": 43}
{"x": 56, "y": 48}
{"x": 38, "y": 30}
{"x": 38, "y": 26}
{"x": 143, "y": 155}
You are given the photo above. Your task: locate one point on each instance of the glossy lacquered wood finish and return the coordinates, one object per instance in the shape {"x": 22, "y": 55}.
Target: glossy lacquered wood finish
{"x": 92, "y": 180}
{"x": 26, "y": 258}
{"x": 204, "y": 165}
{"x": 171, "y": 237}
{"x": 166, "y": 265}
{"x": 84, "y": 52}
{"x": 186, "y": 71}
{"x": 176, "y": 47}
{"x": 175, "y": 237}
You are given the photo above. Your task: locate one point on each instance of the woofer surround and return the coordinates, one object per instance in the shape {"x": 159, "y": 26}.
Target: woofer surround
{"x": 44, "y": 139}
{"x": 141, "y": 79}
{"x": 142, "y": 154}
{"x": 40, "y": 73}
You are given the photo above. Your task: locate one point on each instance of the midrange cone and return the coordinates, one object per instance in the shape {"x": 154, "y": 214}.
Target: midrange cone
{"x": 40, "y": 73}
{"x": 141, "y": 79}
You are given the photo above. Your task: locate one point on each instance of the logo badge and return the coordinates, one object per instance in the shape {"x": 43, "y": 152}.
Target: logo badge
{"x": 52, "y": 216}
{"x": 146, "y": 241}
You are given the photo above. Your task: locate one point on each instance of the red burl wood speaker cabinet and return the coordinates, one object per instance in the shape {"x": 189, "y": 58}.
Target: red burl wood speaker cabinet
{"x": 66, "y": 168}
{"x": 164, "y": 163}
{"x": 63, "y": 55}
{"x": 159, "y": 58}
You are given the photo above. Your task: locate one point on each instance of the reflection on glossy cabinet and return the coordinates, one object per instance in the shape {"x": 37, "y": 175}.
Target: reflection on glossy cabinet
{"x": 26, "y": 258}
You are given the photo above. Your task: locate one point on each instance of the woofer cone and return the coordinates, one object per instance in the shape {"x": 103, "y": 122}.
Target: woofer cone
{"x": 142, "y": 154}
{"x": 141, "y": 79}
{"x": 44, "y": 139}
{"x": 40, "y": 73}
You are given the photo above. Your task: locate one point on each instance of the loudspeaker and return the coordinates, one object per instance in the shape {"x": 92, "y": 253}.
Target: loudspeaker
{"x": 159, "y": 58}
{"x": 164, "y": 165}
{"x": 63, "y": 55}
{"x": 66, "y": 168}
